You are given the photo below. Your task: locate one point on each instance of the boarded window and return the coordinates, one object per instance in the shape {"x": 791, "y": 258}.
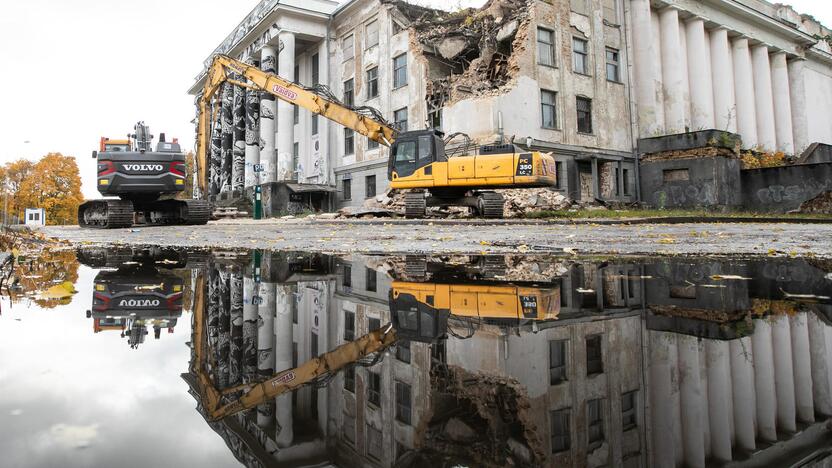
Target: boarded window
{"x": 580, "y": 56}
{"x": 545, "y": 47}
{"x": 675, "y": 175}
{"x": 560, "y": 430}
{"x": 371, "y": 31}
{"x": 548, "y": 109}
{"x": 348, "y": 47}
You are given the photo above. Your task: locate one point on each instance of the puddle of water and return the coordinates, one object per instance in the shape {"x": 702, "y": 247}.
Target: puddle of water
{"x": 176, "y": 358}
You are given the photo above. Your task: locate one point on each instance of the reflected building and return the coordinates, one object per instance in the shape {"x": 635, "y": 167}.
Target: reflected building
{"x": 543, "y": 361}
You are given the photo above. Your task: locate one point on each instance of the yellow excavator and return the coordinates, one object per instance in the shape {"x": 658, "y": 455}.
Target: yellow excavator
{"x": 419, "y": 312}
{"x": 418, "y": 160}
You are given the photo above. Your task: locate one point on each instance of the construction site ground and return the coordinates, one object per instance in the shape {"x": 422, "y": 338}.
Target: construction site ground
{"x": 376, "y": 236}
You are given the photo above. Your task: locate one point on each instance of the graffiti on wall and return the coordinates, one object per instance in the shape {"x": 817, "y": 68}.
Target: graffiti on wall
{"x": 793, "y": 193}
{"x": 694, "y": 194}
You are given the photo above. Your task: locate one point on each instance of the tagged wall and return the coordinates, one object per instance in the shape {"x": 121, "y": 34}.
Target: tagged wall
{"x": 782, "y": 189}
{"x": 691, "y": 183}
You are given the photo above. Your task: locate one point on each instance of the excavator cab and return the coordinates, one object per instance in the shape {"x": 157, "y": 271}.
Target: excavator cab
{"x": 414, "y": 150}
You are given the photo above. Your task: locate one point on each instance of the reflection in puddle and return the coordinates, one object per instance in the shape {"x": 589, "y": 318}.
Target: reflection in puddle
{"x": 490, "y": 361}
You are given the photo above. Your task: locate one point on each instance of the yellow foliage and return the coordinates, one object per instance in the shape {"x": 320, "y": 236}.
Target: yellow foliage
{"x": 759, "y": 160}
{"x": 54, "y": 184}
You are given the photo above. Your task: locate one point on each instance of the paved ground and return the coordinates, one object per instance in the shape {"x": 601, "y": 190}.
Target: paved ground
{"x": 466, "y": 237}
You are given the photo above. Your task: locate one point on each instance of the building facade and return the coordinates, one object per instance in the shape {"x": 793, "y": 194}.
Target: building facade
{"x": 583, "y": 79}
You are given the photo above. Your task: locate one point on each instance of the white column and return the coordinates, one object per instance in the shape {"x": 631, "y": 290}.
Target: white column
{"x": 285, "y": 110}
{"x": 662, "y": 412}
{"x": 672, "y": 71}
{"x": 783, "y": 373}
{"x": 656, "y": 53}
{"x": 821, "y": 375}
{"x": 719, "y": 398}
{"x": 722, "y": 78}
{"x": 742, "y": 389}
{"x": 691, "y": 402}
{"x": 699, "y": 73}
{"x": 802, "y": 361}
{"x": 800, "y": 117}
{"x": 645, "y": 68}
{"x": 683, "y": 47}
{"x": 283, "y": 328}
{"x": 263, "y": 296}
{"x": 782, "y": 103}
{"x": 744, "y": 93}
{"x": 764, "y": 381}
{"x": 764, "y": 101}
{"x": 268, "y": 157}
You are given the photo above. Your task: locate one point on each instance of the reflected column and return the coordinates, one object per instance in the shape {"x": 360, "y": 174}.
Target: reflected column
{"x": 719, "y": 401}
{"x": 662, "y": 413}
{"x": 691, "y": 402}
{"x": 802, "y": 361}
{"x": 744, "y": 395}
{"x": 236, "y": 348}
{"x": 764, "y": 380}
{"x": 783, "y": 373}
{"x": 264, "y": 297}
{"x": 821, "y": 378}
{"x": 283, "y": 360}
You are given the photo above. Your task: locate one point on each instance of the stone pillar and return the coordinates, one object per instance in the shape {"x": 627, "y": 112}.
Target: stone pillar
{"x": 691, "y": 402}
{"x": 250, "y": 323}
{"x": 744, "y": 92}
{"x": 742, "y": 390}
{"x": 252, "y": 136}
{"x": 764, "y": 381}
{"x": 268, "y": 156}
{"x": 235, "y": 285}
{"x": 285, "y": 110}
{"x": 263, "y": 296}
{"x": 215, "y": 163}
{"x": 238, "y": 165}
{"x": 719, "y": 398}
{"x": 800, "y": 116}
{"x": 656, "y": 54}
{"x": 224, "y": 330}
{"x": 662, "y": 412}
{"x": 227, "y": 136}
{"x": 699, "y": 73}
{"x": 802, "y": 362}
{"x": 645, "y": 68}
{"x": 672, "y": 71}
{"x": 283, "y": 329}
{"x": 782, "y": 103}
{"x": 763, "y": 99}
{"x": 821, "y": 372}
{"x": 783, "y": 373}
{"x": 722, "y": 78}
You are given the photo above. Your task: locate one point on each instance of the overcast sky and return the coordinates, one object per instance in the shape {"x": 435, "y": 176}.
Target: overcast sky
{"x": 73, "y": 71}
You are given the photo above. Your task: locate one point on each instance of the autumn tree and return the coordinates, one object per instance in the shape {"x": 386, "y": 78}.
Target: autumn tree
{"x": 14, "y": 173}
{"x": 54, "y": 185}
{"x": 190, "y": 167}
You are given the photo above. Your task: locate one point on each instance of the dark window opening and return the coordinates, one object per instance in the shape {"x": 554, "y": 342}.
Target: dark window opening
{"x": 560, "y": 430}
{"x": 557, "y": 361}
{"x": 594, "y": 357}
{"x": 403, "y": 351}
{"x": 403, "y": 402}
{"x": 347, "y": 190}
{"x": 584, "y": 108}
{"x": 372, "y": 83}
{"x": 374, "y": 388}
{"x": 370, "y": 186}
{"x": 628, "y": 410}
{"x": 595, "y": 423}
{"x": 548, "y": 109}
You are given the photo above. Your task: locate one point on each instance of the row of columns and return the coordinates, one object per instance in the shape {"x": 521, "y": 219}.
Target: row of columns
{"x": 688, "y": 78}
{"x": 746, "y": 390}
{"x": 244, "y": 129}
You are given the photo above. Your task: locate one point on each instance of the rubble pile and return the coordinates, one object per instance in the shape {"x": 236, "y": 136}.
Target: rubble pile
{"x": 523, "y": 268}
{"x": 706, "y": 152}
{"x": 821, "y": 204}
{"x": 522, "y": 201}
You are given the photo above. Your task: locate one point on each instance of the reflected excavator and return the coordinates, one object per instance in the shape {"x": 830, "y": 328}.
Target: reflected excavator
{"x": 418, "y": 160}
{"x": 419, "y": 312}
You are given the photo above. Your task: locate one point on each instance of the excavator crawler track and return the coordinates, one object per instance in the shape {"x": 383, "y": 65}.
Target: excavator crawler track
{"x": 106, "y": 214}
{"x": 490, "y": 204}
{"x": 197, "y": 212}
{"x": 415, "y": 205}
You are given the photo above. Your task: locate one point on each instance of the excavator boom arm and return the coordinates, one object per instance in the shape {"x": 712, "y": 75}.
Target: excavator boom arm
{"x": 220, "y": 71}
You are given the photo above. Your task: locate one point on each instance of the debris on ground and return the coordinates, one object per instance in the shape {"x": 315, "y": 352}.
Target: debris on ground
{"x": 520, "y": 202}
{"x": 821, "y": 204}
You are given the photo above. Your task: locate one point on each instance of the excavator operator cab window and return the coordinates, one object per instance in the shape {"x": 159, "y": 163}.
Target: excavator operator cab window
{"x": 115, "y": 148}
{"x": 415, "y": 150}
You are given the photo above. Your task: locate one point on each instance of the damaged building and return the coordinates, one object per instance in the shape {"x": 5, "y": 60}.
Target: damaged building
{"x": 586, "y": 80}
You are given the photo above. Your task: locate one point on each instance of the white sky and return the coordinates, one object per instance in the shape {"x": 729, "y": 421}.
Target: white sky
{"x": 73, "y": 71}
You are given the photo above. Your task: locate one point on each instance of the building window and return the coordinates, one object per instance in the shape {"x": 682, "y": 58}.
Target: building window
{"x": 372, "y": 279}
{"x": 374, "y": 388}
{"x": 557, "y": 361}
{"x": 348, "y": 47}
{"x": 400, "y": 71}
{"x": 347, "y": 190}
{"x": 584, "y": 108}
{"x": 373, "y": 324}
{"x": 349, "y": 380}
{"x": 373, "y": 442}
{"x": 610, "y": 11}
{"x": 594, "y": 358}
{"x": 369, "y": 186}
{"x": 403, "y": 402}
{"x": 314, "y": 124}
{"x": 546, "y": 47}
{"x": 349, "y": 429}
{"x": 400, "y": 119}
{"x": 626, "y": 177}
{"x": 613, "y": 66}
{"x": 628, "y": 410}
{"x": 371, "y": 32}
{"x": 579, "y": 6}
{"x": 548, "y": 110}
{"x": 558, "y": 172}
{"x": 403, "y": 351}
{"x": 295, "y": 158}
{"x": 295, "y": 114}
{"x": 349, "y": 95}
{"x": 316, "y": 69}
{"x": 397, "y": 27}
{"x": 346, "y": 280}
{"x": 349, "y": 141}
{"x": 435, "y": 118}
{"x": 580, "y": 56}
{"x": 371, "y": 144}
{"x": 617, "y": 173}
{"x": 595, "y": 423}
{"x": 560, "y": 430}
{"x": 372, "y": 83}
{"x": 349, "y": 326}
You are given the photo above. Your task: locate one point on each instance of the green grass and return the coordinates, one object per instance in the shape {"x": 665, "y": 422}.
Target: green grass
{"x": 652, "y": 213}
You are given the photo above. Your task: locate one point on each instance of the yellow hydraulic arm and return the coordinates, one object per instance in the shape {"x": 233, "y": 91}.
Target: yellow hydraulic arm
{"x": 221, "y": 71}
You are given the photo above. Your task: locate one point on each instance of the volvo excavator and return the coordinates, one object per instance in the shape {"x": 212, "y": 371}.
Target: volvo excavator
{"x": 144, "y": 182}
{"x": 418, "y": 161}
